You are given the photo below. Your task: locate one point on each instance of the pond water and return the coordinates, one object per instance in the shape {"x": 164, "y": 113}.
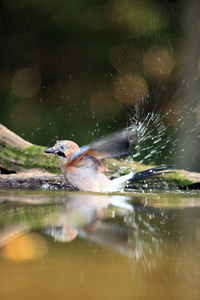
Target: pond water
{"x": 71, "y": 245}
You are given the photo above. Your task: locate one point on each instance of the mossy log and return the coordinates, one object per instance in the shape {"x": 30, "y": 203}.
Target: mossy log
{"x": 23, "y": 165}
{"x": 16, "y": 154}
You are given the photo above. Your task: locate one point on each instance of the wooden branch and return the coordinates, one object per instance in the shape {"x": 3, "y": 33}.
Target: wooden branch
{"x": 32, "y": 167}
{"x": 12, "y": 139}
{"x": 17, "y": 155}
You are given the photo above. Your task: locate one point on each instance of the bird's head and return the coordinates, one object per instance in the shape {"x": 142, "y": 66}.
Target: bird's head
{"x": 64, "y": 149}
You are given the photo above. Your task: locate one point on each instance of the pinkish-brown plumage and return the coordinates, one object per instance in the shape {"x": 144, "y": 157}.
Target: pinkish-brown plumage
{"x": 84, "y": 170}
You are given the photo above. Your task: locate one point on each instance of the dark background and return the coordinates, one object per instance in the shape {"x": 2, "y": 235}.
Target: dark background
{"x": 79, "y": 69}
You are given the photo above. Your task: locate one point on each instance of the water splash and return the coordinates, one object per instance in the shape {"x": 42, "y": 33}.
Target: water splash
{"x": 154, "y": 136}
{"x": 158, "y": 139}
{"x": 167, "y": 119}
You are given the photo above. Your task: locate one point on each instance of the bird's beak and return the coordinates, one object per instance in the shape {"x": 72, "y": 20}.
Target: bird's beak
{"x": 49, "y": 150}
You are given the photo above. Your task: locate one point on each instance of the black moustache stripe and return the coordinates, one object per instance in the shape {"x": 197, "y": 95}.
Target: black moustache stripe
{"x": 60, "y": 153}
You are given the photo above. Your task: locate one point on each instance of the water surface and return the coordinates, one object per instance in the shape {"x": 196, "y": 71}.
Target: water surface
{"x": 61, "y": 245}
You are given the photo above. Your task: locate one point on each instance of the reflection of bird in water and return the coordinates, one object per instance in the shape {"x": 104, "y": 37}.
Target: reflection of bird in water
{"x": 84, "y": 170}
{"x": 87, "y": 216}
{"x": 83, "y": 216}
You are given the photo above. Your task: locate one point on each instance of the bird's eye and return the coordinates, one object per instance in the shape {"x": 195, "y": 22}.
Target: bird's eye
{"x": 62, "y": 147}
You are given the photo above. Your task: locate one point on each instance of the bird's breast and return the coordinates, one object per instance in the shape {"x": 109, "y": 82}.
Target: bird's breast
{"x": 86, "y": 178}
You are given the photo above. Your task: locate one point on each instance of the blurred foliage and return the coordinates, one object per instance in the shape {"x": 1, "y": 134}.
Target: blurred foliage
{"x": 76, "y": 69}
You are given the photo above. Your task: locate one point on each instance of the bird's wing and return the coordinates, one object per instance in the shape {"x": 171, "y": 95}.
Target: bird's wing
{"x": 88, "y": 157}
{"x": 114, "y": 145}
{"x": 111, "y": 146}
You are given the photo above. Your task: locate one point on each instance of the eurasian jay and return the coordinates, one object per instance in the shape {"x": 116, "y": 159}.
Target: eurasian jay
{"x": 83, "y": 169}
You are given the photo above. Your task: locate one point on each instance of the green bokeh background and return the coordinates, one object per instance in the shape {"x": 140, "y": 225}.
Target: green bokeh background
{"x": 79, "y": 49}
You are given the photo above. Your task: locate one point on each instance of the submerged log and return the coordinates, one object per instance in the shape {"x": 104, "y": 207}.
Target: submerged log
{"x": 24, "y": 165}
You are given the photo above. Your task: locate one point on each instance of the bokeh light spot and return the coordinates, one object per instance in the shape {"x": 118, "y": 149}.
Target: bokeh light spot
{"x": 26, "y": 82}
{"x": 25, "y": 247}
{"x": 103, "y": 103}
{"x": 158, "y": 62}
{"x": 130, "y": 89}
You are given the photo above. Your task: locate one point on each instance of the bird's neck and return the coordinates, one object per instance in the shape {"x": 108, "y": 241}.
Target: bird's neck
{"x": 68, "y": 155}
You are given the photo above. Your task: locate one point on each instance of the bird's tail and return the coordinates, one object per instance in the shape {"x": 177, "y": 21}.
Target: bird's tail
{"x": 120, "y": 183}
{"x": 153, "y": 172}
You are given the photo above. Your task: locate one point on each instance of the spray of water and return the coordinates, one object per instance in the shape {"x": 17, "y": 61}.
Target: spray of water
{"x": 154, "y": 137}
{"x": 167, "y": 119}
{"x": 158, "y": 140}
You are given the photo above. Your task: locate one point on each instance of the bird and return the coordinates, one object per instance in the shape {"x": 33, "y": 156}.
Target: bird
{"x": 84, "y": 170}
